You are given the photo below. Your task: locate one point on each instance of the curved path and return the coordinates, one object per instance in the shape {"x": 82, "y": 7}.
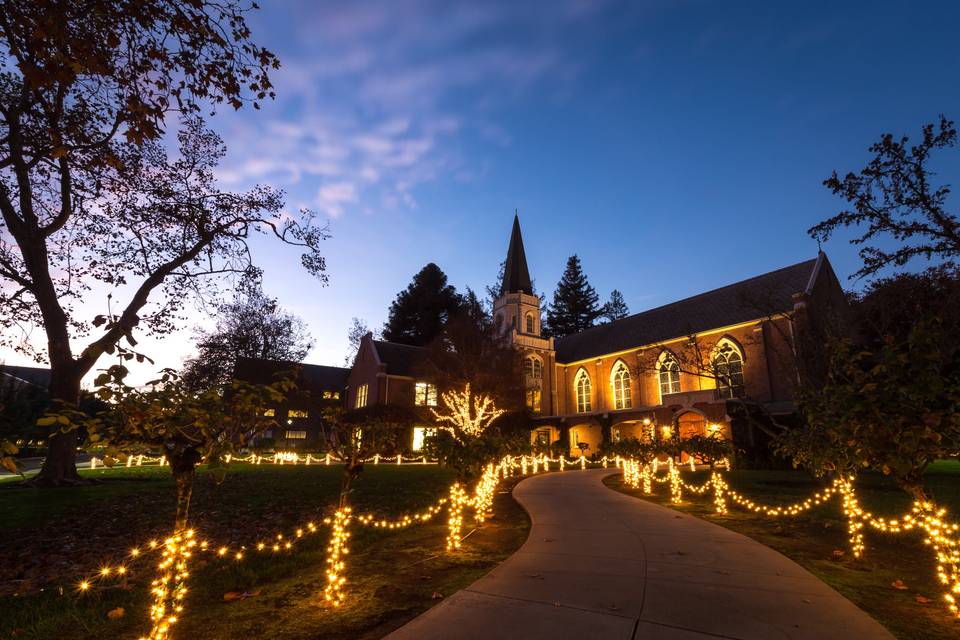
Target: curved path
{"x": 601, "y": 564}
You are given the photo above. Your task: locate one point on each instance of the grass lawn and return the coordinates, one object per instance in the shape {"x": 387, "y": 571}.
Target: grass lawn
{"x": 810, "y": 540}
{"x": 50, "y": 539}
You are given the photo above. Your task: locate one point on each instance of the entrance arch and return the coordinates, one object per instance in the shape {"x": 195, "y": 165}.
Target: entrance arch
{"x": 691, "y": 423}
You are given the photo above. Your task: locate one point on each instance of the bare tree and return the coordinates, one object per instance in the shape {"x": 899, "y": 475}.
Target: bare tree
{"x": 88, "y": 195}
{"x": 894, "y": 198}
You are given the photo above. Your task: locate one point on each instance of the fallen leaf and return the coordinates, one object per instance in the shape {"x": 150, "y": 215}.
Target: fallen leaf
{"x": 899, "y": 584}
{"x": 922, "y": 600}
{"x": 837, "y": 555}
{"x": 230, "y": 596}
{"x": 436, "y": 595}
{"x": 116, "y": 614}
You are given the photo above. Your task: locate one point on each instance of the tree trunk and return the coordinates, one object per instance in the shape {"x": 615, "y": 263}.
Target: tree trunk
{"x": 60, "y": 466}
{"x": 184, "y": 471}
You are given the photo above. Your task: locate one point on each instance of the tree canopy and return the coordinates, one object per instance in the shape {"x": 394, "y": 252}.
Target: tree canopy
{"x": 419, "y": 312}
{"x": 575, "y": 303}
{"x": 615, "y": 308}
{"x": 90, "y": 196}
{"x": 252, "y": 325}
{"x": 896, "y": 199}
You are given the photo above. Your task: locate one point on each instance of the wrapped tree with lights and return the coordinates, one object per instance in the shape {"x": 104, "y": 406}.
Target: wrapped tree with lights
{"x": 465, "y": 442}
{"x": 467, "y": 415}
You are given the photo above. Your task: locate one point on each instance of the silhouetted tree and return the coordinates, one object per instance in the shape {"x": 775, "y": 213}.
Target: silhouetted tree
{"x": 574, "y": 307}
{"x": 88, "y": 194}
{"x": 358, "y": 329}
{"x": 418, "y": 313}
{"x": 893, "y": 196}
{"x": 615, "y": 308}
{"x": 471, "y": 350}
{"x": 252, "y": 325}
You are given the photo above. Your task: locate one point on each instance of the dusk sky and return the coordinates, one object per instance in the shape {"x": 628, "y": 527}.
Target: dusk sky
{"x": 675, "y": 146}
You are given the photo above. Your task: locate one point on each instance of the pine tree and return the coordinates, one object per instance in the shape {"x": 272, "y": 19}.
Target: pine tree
{"x": 419, "y": 312}
{"x": 574, "y": 307}
{"x": 615, "y": 308}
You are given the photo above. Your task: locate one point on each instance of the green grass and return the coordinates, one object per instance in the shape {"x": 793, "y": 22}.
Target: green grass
{"x": 52, "y": 538}
{"x": 811, "y": 539}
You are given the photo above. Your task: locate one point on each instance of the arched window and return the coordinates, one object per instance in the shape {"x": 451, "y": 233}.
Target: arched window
{"x": 668, "y": 372}
{"x": 529, "y": 323}
{"x": 620, "y": 381}
{"x": 728, "y": 369}
{"x": 533, "y": 368}
{"x": 581, "y": 385}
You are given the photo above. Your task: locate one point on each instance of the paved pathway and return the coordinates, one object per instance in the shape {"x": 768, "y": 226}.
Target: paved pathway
{"x": 600, "y": 564}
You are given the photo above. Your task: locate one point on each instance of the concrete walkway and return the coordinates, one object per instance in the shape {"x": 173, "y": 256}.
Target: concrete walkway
{"x": 600, "y": 564}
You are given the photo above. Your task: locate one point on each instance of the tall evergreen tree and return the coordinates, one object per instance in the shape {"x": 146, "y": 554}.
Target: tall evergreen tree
{"x": 574, "y": 307}
{"x": 419, "y": 312}
{"x": 616, "y": 307}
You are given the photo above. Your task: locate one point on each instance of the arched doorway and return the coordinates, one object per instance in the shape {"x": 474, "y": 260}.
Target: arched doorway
{"x": 691, "y": 423}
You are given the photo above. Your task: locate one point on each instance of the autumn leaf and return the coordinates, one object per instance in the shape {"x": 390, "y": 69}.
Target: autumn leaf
{"x": 899, "y": 584}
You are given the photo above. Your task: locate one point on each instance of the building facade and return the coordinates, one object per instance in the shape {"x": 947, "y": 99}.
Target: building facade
{"x": 689, "y": 367}
{"x": 684, "y": 367}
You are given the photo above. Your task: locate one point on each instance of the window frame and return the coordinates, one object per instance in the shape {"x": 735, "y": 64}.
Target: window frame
{"x": 424, "y": 394}
{"x": 620, "y": 385}
{"x": 668, "y": 358}
{"x": 362, "y": 395}
{"x": 729, "y": 384}
{"x": 583, "y": 391}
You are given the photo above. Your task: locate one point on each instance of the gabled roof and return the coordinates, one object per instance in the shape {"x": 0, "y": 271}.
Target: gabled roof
{"x": 516, "y": 276}
{"x": 743, "y": 301}
{"x": 36, "y": 376}
{"x": 314, "y": 377}
{"x": 401, "y": 359}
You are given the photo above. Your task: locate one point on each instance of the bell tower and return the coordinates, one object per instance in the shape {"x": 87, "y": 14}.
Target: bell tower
{"x": 517, "y": 310}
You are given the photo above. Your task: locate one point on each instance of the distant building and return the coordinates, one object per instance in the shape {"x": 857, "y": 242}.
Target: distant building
{"x": 300, "y": 416}
{"x": 33, "y": 376}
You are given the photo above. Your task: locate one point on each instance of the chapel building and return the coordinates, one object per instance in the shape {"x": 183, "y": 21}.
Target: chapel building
{"x": 695, "y": 366}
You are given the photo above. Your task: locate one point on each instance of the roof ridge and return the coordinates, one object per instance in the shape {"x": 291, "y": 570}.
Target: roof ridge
{"x": 687, "y": 299}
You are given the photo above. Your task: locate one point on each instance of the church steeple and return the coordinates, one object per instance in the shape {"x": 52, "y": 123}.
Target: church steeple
{"x": 516, "y": 277}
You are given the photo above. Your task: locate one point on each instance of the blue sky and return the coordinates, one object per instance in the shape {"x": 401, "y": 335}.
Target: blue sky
{"x": 675, "y": 146}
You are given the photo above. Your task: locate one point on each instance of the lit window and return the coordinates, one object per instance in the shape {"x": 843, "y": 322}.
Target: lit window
{"x": 620, "y": 381}
{"x": 298, "y": 413}
{"x": 420, "y": 434}
{"x": 728, "y": 369}
{"x": 296, "y": 435}
{"x": 667, "y": 432}
{"x": 668, "y": 371}
{"x": 361, "y": 396}
{"x": 582, "y": 387}
{"x": 269, "y": 413}
{"x": 331, "y": 395}
{"x": 543, "y": 437}
{"x": 533, "y": 400}
{"x": 529, "y": 323}
{"x": 533, "y": 368}
{"x": 425, "y": 395}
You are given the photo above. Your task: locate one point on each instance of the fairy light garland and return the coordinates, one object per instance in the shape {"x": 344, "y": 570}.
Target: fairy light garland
{"x": 333, "y": 593}
{"x": 169, "y": 588}
{"x": 455, "y": 506}
{"x": 942, "y": 536}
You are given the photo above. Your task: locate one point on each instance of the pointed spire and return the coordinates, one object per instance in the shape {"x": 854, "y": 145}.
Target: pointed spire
{"x": 516, "y": 277}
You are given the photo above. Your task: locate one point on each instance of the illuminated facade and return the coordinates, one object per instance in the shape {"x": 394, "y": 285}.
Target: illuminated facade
{"x": 694, "y": 365}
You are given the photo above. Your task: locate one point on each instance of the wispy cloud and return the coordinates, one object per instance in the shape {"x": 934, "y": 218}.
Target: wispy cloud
{"x": 374, "y": 98}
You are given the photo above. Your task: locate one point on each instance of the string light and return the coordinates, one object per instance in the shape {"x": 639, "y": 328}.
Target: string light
{"x": 942, "y": 536}
{"x": 333, "y": 593}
